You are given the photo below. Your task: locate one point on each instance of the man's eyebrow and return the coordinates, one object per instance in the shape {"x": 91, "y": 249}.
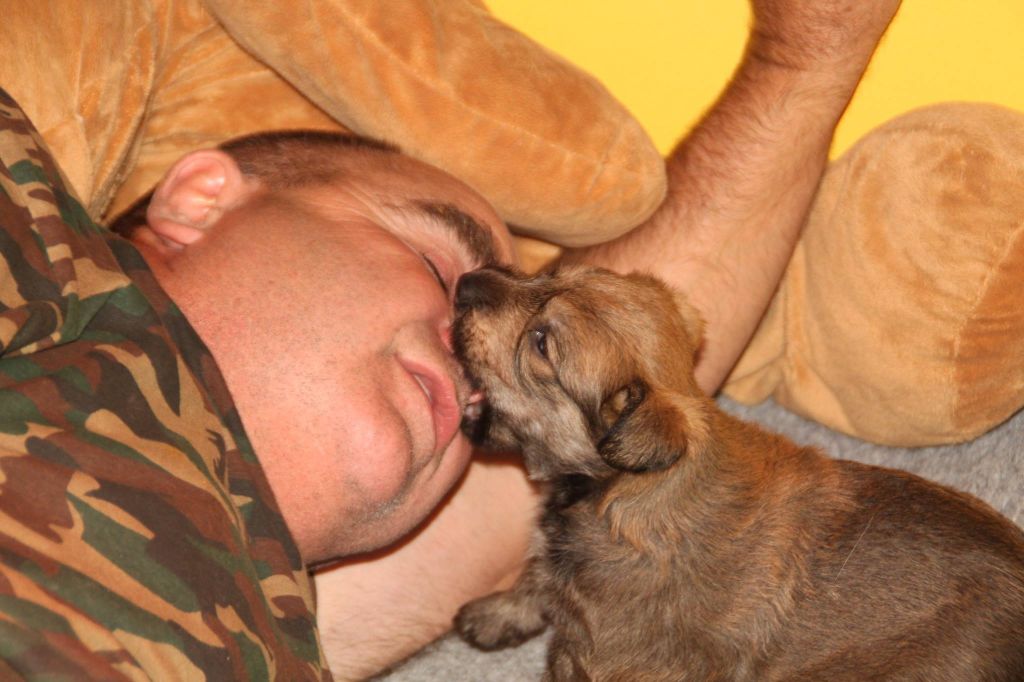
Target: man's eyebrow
{"x": 476, "y": 238}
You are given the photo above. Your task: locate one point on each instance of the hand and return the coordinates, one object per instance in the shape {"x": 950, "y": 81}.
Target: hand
{"x": 819, "y": 35}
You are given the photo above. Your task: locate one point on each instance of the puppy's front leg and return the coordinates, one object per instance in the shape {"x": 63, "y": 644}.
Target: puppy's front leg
{"x": 505, "y": 619}
{"x": 563, "y": 664}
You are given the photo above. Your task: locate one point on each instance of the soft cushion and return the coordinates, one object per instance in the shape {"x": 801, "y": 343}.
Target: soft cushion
{"x": 82, "y": 73}
{"x": 900, "y": 318}
{"x": 120, "y": 90}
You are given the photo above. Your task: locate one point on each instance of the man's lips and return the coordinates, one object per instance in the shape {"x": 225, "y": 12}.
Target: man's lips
{"x": 441, "y": 396}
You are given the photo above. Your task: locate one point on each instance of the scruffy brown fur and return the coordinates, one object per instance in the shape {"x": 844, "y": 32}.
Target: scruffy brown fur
{"x": 678, "y": 543}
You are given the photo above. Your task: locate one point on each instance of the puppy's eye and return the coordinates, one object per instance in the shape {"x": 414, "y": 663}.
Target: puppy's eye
{"x": 539, "y": 342}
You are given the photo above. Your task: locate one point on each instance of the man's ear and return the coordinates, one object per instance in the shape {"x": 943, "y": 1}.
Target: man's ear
{"x": 193, "y": 196}
{"x": 649, "y": 429}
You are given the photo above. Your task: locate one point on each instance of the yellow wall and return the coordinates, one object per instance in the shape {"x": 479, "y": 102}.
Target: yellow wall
{"x": 668, "y": 59}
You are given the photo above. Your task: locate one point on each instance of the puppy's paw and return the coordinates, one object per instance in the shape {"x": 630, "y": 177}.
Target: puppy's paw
{"x": 498, "y": 621}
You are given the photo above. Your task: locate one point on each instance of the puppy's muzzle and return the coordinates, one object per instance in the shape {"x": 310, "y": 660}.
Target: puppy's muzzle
{"x": 480, "y": 289}
{"x": 483, "y": 289}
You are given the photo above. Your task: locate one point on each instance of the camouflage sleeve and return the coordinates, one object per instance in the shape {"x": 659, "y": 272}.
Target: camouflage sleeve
{"x": 139, "y": 538}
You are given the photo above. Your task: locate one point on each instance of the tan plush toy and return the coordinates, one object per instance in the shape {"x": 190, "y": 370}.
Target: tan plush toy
{"x": 121, "y": 89}
{"x": 899, "y": 319}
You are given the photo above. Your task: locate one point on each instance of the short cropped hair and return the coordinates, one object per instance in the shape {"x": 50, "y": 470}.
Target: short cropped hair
{"x": 297, "y": 158}
{"x": 280, "y": 158}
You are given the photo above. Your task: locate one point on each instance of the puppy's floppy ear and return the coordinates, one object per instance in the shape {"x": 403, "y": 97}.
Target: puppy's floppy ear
{"x": 649, "y": 428}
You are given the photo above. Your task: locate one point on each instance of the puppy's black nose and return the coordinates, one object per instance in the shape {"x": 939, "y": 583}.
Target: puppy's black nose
{"x": 478, "y": 289}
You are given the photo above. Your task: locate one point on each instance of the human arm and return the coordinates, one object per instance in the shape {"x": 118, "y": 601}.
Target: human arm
{"x": 375, "y": 610}
{"x": 741, "y": 183}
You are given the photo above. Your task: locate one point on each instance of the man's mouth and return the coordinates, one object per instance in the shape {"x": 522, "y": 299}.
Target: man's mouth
{"x": 441, "y": 396}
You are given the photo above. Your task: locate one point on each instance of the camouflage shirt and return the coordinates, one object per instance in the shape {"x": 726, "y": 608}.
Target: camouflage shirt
{"x": 139, "y": 538}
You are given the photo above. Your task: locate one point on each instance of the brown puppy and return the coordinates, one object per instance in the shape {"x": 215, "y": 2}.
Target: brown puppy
{"x": 679, "y": 543}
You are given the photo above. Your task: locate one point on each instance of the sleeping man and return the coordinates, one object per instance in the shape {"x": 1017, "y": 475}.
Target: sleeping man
{"x": 260, "y": 380}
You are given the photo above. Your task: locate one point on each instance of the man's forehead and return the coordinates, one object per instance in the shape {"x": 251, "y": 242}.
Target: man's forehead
{"x": 420, "y": 192}
{"x": 482, "y": 243}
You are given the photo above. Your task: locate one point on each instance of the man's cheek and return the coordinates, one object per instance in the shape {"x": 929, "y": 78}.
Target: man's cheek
{"x": 379, "y": 461}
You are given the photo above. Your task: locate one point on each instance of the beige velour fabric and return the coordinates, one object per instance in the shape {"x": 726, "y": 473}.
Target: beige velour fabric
{"x": 900, "y": 318}
{"x": 120, "y": 89}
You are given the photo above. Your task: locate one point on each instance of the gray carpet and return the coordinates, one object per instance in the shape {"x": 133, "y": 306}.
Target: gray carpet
{"x": 990, "y": 467}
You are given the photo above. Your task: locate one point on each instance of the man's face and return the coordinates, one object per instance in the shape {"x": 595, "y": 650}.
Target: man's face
{"x": 328, "y": 310}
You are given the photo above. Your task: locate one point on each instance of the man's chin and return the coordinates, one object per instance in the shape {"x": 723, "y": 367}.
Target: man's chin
{"x": 397, "y": 521}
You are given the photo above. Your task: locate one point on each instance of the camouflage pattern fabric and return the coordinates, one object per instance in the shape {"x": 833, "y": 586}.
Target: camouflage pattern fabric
{"x": 139, "y": 538}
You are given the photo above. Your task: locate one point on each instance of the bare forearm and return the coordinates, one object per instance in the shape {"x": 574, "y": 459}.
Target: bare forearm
{"x": 740, "y": 186}
{"x": 748, "y": 171}
{"x": 375, "y": 611}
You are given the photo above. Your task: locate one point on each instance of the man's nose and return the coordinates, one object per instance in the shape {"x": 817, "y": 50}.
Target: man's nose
{"x": 478, "y": 289}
